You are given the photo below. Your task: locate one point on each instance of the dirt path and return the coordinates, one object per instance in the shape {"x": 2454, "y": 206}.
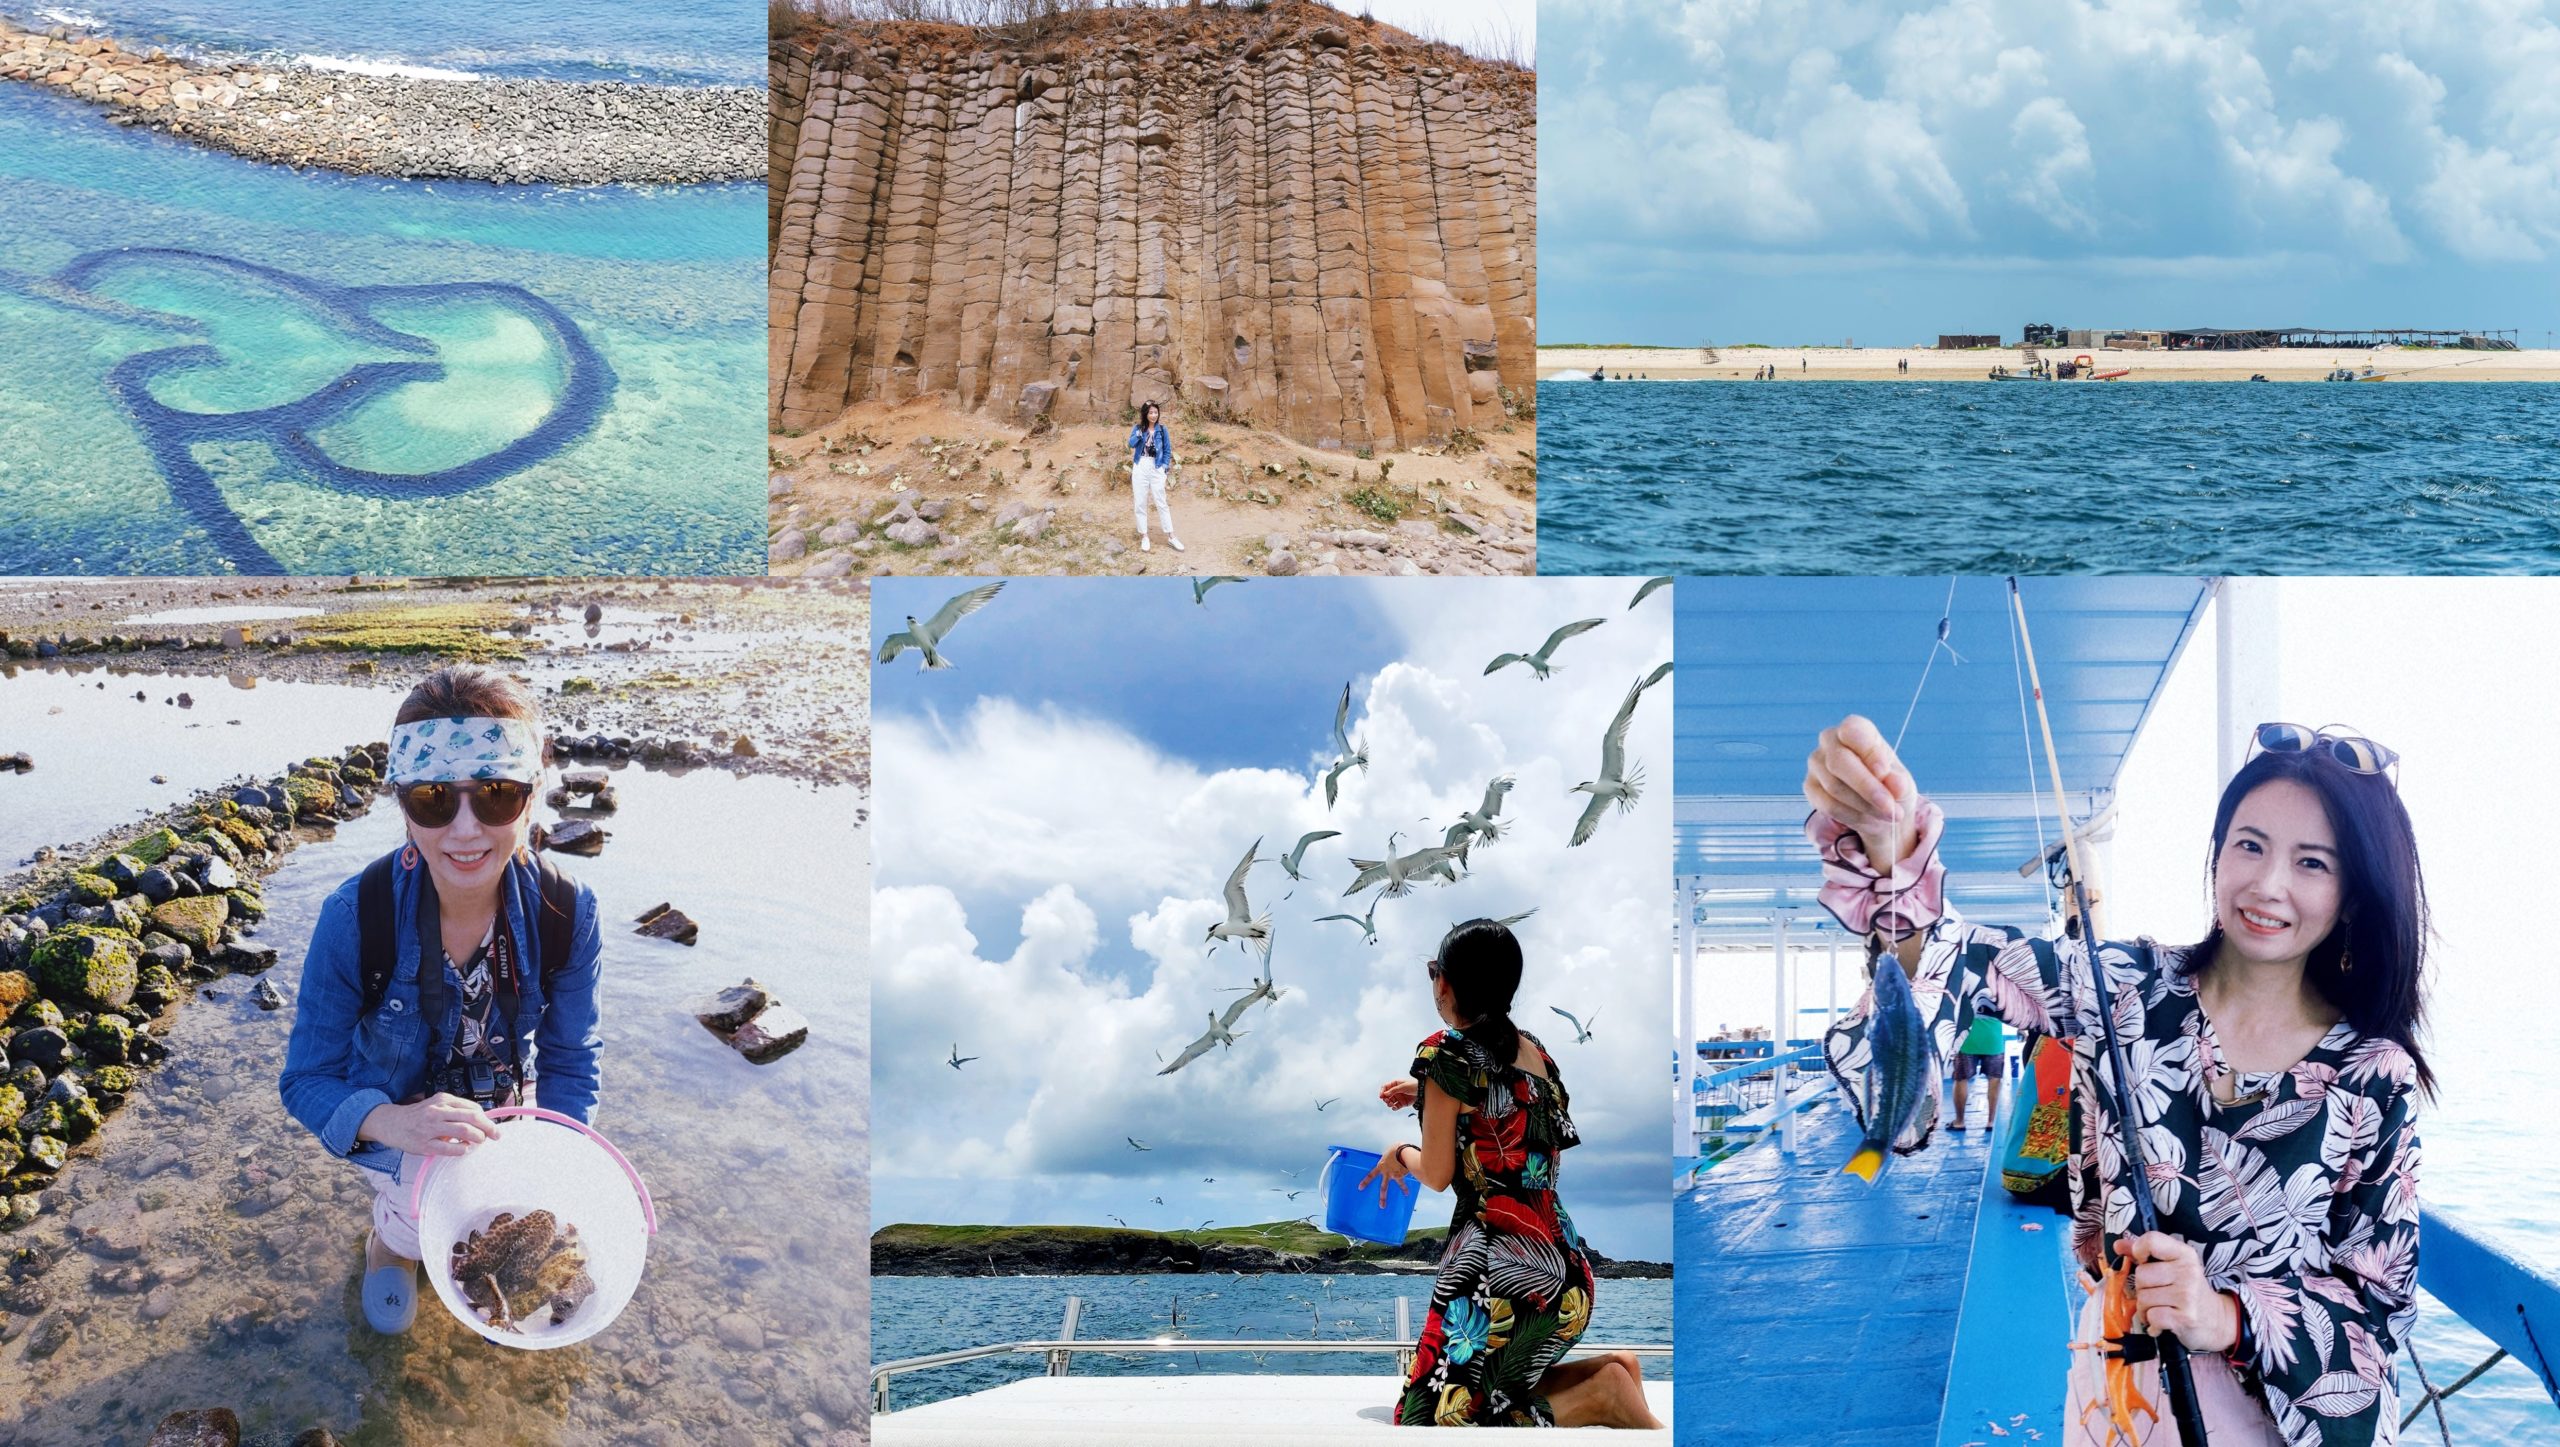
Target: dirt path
{"x": 918, "y": 488}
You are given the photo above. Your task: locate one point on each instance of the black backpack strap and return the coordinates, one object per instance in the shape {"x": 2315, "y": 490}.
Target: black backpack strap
{"x": 377, "y": 945}
{"x": 559, "y": 909}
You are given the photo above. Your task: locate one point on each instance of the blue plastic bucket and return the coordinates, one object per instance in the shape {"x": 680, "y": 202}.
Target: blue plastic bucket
{"x": 1352, "y": 1210}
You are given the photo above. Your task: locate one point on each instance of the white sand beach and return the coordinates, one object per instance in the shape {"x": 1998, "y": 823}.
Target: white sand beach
{"x": 1884, "y": 364}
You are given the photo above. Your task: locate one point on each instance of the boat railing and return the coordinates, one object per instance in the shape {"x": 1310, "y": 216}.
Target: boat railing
{"x": 1060, "y": 1351}
{"x": 2509, "y": 1300}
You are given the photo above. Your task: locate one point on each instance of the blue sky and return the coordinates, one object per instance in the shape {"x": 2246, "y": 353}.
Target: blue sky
{"x": 1820, "y": 170}
{"x": 1054, "y": 822}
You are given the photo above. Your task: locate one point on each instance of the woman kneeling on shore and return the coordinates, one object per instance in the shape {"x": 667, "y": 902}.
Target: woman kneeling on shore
{"x": 1515, "y": 1286}
{"x": 440, "y": 975}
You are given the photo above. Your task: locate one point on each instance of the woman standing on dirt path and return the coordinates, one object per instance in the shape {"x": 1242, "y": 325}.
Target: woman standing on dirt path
{"x": 1150, "y": 459}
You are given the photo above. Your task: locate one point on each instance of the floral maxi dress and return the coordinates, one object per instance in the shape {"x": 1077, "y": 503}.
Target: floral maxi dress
{"x": 2301, "y": 1194}
{"x": 1515, "y": 1285}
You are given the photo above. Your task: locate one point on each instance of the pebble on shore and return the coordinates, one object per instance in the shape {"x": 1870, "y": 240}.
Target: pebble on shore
{"x": 479, "y": 129}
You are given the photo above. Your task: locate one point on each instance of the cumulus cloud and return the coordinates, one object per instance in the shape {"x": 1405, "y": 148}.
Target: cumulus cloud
{"x": 1045, "y": 881}
{"x": 2369, "y": 131}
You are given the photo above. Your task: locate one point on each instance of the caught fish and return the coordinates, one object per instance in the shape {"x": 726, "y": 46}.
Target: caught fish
{"x": 1898, "y": 1099}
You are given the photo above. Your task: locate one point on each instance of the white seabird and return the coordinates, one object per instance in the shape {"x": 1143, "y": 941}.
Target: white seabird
{"x": 1538, "y": 661}
{"x": 926, "y": 637}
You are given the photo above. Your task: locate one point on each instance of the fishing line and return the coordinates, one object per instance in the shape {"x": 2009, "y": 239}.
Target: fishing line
{"x": 1946, "y": 616}
{"x": 2027, "y": 745}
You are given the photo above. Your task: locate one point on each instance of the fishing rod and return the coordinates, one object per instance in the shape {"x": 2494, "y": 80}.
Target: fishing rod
{"x": 2176, "y": 1372}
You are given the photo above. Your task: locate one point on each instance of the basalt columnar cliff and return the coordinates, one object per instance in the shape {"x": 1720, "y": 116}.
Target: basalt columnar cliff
{"x": 1314, "y": 223}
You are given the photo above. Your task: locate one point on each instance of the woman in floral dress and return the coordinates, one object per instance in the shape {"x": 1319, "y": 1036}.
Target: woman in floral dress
{"x": 1515, "y": 1286}
{"x": 2275, "y": 1075}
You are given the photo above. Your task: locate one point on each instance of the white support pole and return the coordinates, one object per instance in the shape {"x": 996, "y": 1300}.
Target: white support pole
{"x": 2246, "y": 673}
{"x": 1684, "y": 1024}
{"x": 1778, "y": 1044}
{"x": 1831, "y": 994}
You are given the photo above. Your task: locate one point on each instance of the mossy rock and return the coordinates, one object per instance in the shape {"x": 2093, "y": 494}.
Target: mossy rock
{"x": 46, "y": 1118}
{"x": 11, "y": 1153}
{"x": 217, "y": 843}
{"x": 245, "y": 904}
{"x": 108, "y": 1040}
{"x": 308, "y": 795}
{"x": 16, "y": 989}
{"x": 151, "y": 848}
{"x": 29, "y": 1081}
{"x": 37, "y": 1012}
{"x": 81, "y": 1119}
{"x": 155, "y": 986}
{"x": 112, "y": 1079}
{"x": 17, "y": 1211}
{"x": 47, "y": 1153}
{"x": 240, "y": 832}
{"x": 119, "y": 869}
{"x": 13, "y": 1105}
{"x": 196, "y": 923}
{"x": 579, "y": 684}
{"x": 92, "y": 888}
{"x": 88, "y": 968}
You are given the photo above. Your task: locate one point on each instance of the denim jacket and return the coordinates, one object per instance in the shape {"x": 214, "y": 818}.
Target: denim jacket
{"x": 340, "y": 1062}
{"x": 1155, "y": 442}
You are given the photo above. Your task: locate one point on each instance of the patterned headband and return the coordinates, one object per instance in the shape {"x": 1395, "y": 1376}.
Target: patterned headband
{"x": 453, "y": 750}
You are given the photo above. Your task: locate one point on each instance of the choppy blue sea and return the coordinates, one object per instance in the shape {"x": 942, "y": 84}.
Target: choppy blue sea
{"x": 211, "y": 365}
{"x": 1980, "y": 477}
{"x": 664, "y": 42}
{"x": 914, "y": 1315}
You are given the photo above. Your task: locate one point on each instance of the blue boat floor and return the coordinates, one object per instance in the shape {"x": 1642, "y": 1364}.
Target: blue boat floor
{"x": 1815, "y": 1308}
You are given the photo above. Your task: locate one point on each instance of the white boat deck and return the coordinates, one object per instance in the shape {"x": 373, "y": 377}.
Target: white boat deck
{"x": 1097, "y": 1411}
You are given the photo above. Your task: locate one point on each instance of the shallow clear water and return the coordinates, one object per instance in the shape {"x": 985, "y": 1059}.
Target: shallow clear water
{"x": 209, "y": 365}
{"x": 759, "y": 1175}
{"x": 222, "y": 613}
{"x": 914, "y": 1315}
{"x": 691, "y": 42}
{"x": 1903, "y": 477}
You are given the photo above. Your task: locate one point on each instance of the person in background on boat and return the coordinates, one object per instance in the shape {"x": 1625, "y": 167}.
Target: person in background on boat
{"x": 1983, "y": 1056}
{"x": 1150, "y": 460}
{"x": 1515, "y": 1286}
{"x": 2277, "y": 1077}
{"x": 428, "y": 1007}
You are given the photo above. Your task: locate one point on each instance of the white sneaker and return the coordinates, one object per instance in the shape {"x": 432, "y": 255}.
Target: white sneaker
{"x": 1143, "y": 545}
{"x": 1177, "y": 542}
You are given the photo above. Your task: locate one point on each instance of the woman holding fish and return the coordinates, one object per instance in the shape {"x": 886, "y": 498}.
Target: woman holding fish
{"x": 2273, "y": 1070}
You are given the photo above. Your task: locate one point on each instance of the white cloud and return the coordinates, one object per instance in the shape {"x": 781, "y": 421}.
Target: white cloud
{"x": 1107, "y": 854}
{"x": 2365, "y": 129}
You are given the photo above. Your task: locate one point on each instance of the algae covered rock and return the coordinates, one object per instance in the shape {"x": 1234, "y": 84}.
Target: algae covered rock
{"x": 89, "y": 968}
{"x": 196, "y": 923}
{"x": 45, "y": 1119}
{"x": 81, "y": 1119}
{"x": 245, "y": 904}
{"x": 151, "y": 848}
{"x": 155, "y": 986}
{"x": 17, "y": 1211}
{"x": 307, "y": 795}
{"x": 13, "y": 1105}
{"x": 46, "y": 1153}
{"x": 108, "y": 1040}
{"x": 16, "y": 989}
{"x": 92, "y": 888}
{"x": 11, "y": 1153}
{"x": 111, "y": 1080}
{"x": 39, "y": 1012}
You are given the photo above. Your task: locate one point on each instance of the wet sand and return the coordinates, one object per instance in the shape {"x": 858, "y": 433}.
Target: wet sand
{"x": 1879, "y": 364}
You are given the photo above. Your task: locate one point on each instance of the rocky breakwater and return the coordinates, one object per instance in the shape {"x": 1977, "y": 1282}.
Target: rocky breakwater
{"x": 475, "y": 128}
{"x": 98, "y": 951}
{"x": 1281, "y": 214}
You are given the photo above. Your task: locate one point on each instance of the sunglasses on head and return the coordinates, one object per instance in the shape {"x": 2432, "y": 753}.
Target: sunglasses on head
{"x": 2355, "y": 755}
{"x": 494, "y": 802}
{"x": 1431, "y": 968}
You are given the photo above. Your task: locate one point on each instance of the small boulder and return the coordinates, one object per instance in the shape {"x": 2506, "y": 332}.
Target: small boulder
{"x": 776, "y": 1031}
{"x": 205, "y": 1427}
{"x": 666, "y": 922}
{"x": 576, "y": 836}
{"x": 157, "y": 884}
{"x": 196, "y": 923}
{"x": 730, "y": 1008}
{"x": 267, "y": 996}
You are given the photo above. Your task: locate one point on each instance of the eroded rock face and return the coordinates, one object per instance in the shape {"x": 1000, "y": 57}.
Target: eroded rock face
{"x": 1317, "y": 224}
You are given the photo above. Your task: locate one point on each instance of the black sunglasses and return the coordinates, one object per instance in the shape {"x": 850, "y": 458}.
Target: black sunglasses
{"x": 494, "y": 802}
{"x": 2354, "y": 754}
{"x": 1431, "y": 968}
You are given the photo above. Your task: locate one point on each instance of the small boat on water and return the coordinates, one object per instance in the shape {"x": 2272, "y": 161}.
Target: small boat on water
{"x": 2349, "y": 374}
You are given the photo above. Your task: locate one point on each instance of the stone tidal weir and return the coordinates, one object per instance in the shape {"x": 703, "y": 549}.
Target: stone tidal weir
{"x": 1315, "y": 224}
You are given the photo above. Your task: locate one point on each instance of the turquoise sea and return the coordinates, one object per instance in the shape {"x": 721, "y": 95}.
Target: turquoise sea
{"x": 689, "y": 42}
{"x": 1979, "y": 477}
{"x": 210, "y": 365}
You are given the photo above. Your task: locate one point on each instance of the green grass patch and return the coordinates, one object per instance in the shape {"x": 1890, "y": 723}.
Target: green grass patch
{"x": 467, "y": 631}
{"x": 1375, "y": 502}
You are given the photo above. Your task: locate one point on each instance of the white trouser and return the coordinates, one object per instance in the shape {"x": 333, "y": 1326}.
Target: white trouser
{"x": 1146, "y": 480}
{"x": 392, "y": 1223}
